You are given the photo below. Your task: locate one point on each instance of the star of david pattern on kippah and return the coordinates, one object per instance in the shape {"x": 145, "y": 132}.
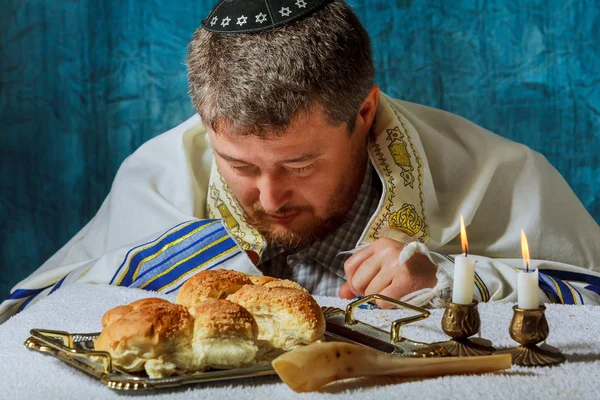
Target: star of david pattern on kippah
{"x": 247, "y": 16}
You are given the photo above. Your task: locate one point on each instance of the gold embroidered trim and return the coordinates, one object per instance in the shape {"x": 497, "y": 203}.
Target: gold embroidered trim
{"x": 398, "y": 150}
{"x": 230, "y": 211}
{"x": 425, "y": 236}
{"x": 407, "y": 219}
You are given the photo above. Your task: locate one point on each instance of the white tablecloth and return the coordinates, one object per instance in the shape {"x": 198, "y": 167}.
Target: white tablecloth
{"x": 26, "y": 374}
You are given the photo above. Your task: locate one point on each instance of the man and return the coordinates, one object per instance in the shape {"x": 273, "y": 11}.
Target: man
{"x": 302, "y": 169}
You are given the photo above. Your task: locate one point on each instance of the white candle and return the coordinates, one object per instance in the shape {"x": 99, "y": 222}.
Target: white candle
{"x": 527, "y": 290}
{"x": 464, "y": 279}
{"x": 464, "y": 271}
{"x": 527, "y": 282}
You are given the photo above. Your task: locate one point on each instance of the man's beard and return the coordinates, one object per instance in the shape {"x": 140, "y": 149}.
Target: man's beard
{"x": 315, "y": 230}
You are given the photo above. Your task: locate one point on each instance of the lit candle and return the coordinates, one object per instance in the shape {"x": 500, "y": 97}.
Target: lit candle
{"x": 464, "y": 271}
{"x": 527, "y": 282}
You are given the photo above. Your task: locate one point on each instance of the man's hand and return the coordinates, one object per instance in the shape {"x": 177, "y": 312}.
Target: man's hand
{"x": 376, "y": 270}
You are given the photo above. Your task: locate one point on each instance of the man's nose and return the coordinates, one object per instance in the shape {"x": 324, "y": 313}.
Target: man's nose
{"x": 273, "y": 193}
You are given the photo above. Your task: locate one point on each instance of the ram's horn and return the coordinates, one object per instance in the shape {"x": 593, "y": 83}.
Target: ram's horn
{"x": 310, "y": 367}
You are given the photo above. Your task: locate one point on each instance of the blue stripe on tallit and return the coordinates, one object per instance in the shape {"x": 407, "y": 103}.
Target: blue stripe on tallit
{"x": 22, "y": 307}
{"x": 548, "y": 285}
{"x": 557, "y": 288}
{"x": 136, "y": 248}
{"x": 174, "y": 249}
{"x": 211, "y": 267}
{"x": 58, "y": 285}
{"x": 593, "y": 288}
{"x": 182, "y": 250}
{"x": 549, "y": 290}
{"x": 36, "y": 292}
{"x": 561, "y": 278}
{"x": 568, "y": 297}
{"x": 572, "y": 276}
{"x": 205, "y": 257}
{"x": 200, "y": 244}
{"x": 157, "y": 247}
{"x": 23, "y": 293}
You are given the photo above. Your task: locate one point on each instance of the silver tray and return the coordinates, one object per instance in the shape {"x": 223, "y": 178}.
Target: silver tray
{"x": 77, "y": 349}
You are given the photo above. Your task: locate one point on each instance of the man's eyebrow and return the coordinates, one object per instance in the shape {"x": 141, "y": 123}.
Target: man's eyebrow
{"x": 229, "y": 158}
{"x": 303, "y": 157}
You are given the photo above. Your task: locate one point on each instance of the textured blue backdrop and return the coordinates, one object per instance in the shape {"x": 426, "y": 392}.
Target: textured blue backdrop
{"x": 84, "y": 82}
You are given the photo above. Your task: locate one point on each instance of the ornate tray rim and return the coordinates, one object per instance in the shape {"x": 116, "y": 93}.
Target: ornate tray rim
{"x": 65, "y": 346}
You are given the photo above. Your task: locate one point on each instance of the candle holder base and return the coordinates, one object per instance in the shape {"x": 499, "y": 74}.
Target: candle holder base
{"x": 466, "y": 348}
{"x": 460, "y": 321}
{"x": 533, "y": 356}
{"x": 529, "y": 327}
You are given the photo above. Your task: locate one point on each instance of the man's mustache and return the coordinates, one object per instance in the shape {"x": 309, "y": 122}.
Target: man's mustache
{"x": 257, "y": 210}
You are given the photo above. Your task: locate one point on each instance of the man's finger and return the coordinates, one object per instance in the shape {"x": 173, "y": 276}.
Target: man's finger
{"x": 357, "y": 259}
{"x": 352, "y": 264}
{"x": 392, "y": 292}
{"x": 365, "y": 274}
{"x": 381, "y": 281}
{"x": 354, "y": 292}
{"x": 345, "y": 292}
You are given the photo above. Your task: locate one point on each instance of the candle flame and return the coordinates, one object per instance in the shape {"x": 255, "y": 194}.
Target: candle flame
{"x": 463, "y": 236}
{"x": 525, "y": 250}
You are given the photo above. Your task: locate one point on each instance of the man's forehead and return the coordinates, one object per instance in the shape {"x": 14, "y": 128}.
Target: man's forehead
{"x": 237, "y": 133}
{"x": 246, "y": 155}
{"x": 304, "y": 119}
{"x": 308, "y": 136}
{"x": 283, "y": 149}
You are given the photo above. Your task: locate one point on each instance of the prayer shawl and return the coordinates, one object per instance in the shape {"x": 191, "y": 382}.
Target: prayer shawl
{"x": 170, "y": 214}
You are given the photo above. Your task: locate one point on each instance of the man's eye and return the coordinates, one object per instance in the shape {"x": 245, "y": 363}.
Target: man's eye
{"x": 302, "y": 170}
{"x": 240, "y": 168}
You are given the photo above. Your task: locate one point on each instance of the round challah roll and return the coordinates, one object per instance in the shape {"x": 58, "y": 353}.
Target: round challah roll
{"x": 284, "y": 283}
{"x": 224, "y": 335}
{"x": 261, "y": 279}
{"x": 155, "y": 338}
{"x": 211, "y": 284}
{"x": 287, "y": 318}
{"x": 115, "y": 313}
{"x": 270, "y": 281}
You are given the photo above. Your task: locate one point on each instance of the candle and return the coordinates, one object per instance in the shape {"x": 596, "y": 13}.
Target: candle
{"x": 527, "y": 282}
{"x": 464, "y": 271}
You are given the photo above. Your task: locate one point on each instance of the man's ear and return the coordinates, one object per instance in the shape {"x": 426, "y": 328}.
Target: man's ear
{"x": 368, "y": 109}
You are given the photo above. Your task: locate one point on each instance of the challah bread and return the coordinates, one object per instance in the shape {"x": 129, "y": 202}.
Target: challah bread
{"x": 284, "y": 283}
{"x": 211, "y": 284}
{"x": 270, "y": 281}
{"x": 155, "y": 338}
{"x": 117, "y": 312}
{"x": 286, "y": 318}
{"x": 224, "y": 335}
{"x": 261, "y": 279}
{"x": 205, "y": 331}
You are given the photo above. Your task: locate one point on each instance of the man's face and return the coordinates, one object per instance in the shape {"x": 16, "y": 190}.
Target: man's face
{"x": 298, "y": 187}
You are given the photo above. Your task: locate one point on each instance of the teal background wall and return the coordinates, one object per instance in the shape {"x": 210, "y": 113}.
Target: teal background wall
{"x": 84, "y": 82}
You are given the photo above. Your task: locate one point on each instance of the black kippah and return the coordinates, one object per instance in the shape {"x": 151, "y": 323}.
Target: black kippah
{"x": 246, "y": 16}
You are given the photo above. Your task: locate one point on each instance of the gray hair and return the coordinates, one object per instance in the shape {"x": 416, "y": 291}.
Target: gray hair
{"x": 257, "y": 83}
